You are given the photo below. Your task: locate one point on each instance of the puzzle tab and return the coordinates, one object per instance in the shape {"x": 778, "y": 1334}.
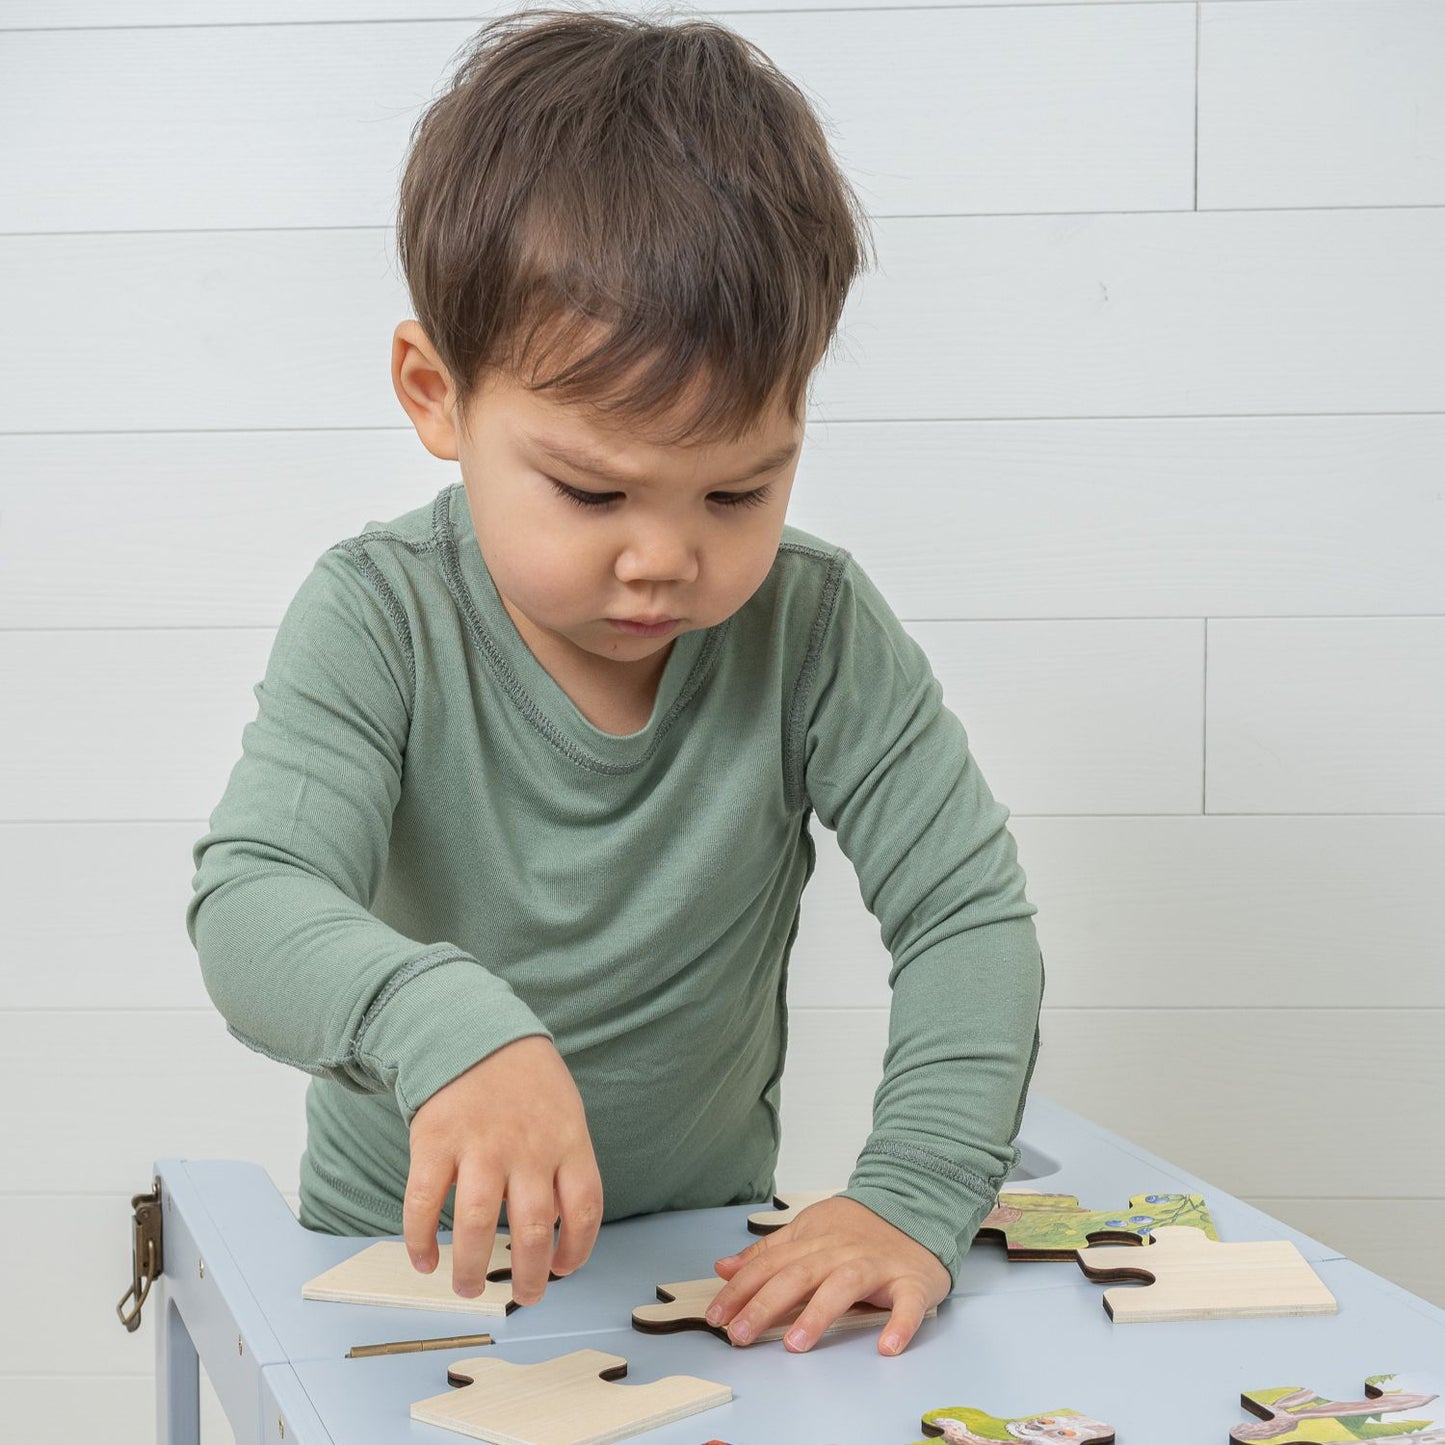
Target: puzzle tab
{"x": 567, "y": 1400}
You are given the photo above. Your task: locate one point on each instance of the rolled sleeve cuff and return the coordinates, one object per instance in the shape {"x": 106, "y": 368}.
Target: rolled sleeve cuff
{"x": 932, "y": 1200}
{"x": 432, "y": 1024}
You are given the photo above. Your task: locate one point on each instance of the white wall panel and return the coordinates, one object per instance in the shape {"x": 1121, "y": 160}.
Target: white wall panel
{"x": 1220, "y": 1091}
{"x": 1179, "y": 913}
{"x": 965, "y": 317}
{"x": 1324, "y": 103}
{"x": 1010, "y": 108}
{"x": 1334, "y": 715}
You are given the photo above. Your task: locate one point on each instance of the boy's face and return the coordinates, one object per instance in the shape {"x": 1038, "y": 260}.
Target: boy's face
{"x": 680, "y": 534}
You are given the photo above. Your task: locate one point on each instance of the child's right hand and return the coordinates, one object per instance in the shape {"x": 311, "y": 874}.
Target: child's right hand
{"x": 513, "y": 1126}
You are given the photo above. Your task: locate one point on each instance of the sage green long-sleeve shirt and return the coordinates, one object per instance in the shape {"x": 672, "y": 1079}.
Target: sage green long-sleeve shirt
{"x": 426, "y": 851}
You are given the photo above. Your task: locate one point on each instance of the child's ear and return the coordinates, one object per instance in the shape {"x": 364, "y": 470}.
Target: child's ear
{"x": 424, "y": 388}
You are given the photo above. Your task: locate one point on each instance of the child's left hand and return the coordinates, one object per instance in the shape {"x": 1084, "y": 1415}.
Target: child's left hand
{"x": 838, "y": 1253}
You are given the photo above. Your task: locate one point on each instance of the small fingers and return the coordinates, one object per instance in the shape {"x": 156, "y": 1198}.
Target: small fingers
{"x": 837, "y": 1294}
{"x": 531, "y": 1215}
{"x": 774, "y": 1300}
{"x": 427, "y": 1182}
{"x": 474, "y": 1227}
{"x": 579, "y": 1204}
{"x": 910, "y": 1304}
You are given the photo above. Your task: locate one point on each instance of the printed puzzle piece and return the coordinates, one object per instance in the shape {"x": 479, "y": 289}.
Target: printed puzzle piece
{"x": 785, "y": 1209}
{"x": 566, "y": 1400}
{"x": 960, "y": 1425}
{"x": 685, "y": 1305}
{"x": 1053, "y": 1226}
{"x": 383, "y": 1275}
{"x": 1194, "y": 1278}
{"x": 1292, "y": 1416}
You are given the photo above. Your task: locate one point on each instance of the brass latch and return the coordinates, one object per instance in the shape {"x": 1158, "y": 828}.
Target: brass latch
{"x": 147, "y": 1261}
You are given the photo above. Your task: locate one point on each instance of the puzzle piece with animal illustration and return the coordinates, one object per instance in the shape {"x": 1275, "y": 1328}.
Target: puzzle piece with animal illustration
{"x": 684, "y": 1307}
{"x": 383, "y": 1274}
{"x": 567, "y": 1400}
{"x": 1053, "y": 1226}
{"x": 1195, "y": 1278}
{"x": 786, "y": 1208}
{"x": 961, "y": 1425}
{"x": 1297, "y": 1416}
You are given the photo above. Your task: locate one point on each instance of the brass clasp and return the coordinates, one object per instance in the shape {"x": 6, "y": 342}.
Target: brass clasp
{"x": 147, "y": 1261}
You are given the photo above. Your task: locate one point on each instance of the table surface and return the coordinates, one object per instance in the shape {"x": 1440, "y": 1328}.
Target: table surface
{"x": 1014, "y": 1338}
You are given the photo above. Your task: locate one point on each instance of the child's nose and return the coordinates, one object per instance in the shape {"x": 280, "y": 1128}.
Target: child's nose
{"x": 658, "y": 555}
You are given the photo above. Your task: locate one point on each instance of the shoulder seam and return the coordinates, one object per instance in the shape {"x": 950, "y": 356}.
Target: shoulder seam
{"x": 355, "y": 548}
{"x": 793, "y": 772}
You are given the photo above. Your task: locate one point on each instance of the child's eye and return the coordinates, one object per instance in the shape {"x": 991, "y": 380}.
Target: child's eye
{"x": 584, "y": 499}
{"x": 755, "y": 498}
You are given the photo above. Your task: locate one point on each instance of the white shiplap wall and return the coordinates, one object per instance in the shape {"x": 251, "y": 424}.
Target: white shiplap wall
{"x": 1140, "y": 425}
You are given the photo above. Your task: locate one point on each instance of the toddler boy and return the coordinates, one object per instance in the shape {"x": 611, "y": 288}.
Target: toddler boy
{"x": 512, "y": 859}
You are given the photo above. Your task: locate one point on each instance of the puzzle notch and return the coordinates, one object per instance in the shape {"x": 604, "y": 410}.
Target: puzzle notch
{"x": 1194, "y": 1278}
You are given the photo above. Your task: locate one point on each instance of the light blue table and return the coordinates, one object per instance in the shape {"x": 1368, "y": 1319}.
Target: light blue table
{"x": 1012, "y": 1339}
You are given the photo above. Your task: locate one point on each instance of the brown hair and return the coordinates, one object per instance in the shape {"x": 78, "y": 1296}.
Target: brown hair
{"x": 663, "y": 187}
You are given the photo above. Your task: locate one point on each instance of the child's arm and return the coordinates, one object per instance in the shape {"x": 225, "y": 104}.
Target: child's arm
{"x": 888, "y": 766}
{"x": 304, "y": 973}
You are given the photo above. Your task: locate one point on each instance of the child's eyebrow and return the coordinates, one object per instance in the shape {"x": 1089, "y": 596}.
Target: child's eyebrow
{"x": 585, "y": 461}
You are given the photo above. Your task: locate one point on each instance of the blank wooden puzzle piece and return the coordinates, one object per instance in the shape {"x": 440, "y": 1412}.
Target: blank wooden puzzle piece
{"x": 566, "y": 1400}
{"x": 785, "y": 1209}
{"x": 1195, "y": 1278}
{"x": 961, "y": 1425}
{"x": 1294, "y": 1416}
{"x": 685, "y": 1305}
{"x": 383, "y": 1275}
{"x": 1053, "y": 1226}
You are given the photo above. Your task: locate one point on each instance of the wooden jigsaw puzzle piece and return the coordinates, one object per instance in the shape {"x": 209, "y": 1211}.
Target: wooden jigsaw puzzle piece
{"x": 383, "y": 1275}
{"x": 962, "y": 1425}
{"x": 785, "y": 1209}
{"x": 1053, "y": 1226}
{"x": 1295, "y": 1416}
{"x": 684, "y": 1307}
{"x": 1195, "y": 1278}
{"x": 567, "y": 1400}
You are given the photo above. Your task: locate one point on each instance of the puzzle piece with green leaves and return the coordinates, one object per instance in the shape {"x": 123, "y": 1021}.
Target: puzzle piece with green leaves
{"x": 962, "y": 1425}
{"x": 1053, "y": 1226}
{"x": 1292, "y": 1415}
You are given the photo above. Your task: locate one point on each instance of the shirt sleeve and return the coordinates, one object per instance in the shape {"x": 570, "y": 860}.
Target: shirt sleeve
{"x": 888, "y": 767}
{"x": 290, "y": 955}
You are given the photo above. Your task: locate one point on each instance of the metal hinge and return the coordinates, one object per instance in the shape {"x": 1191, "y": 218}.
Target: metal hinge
{"x": 147, "y": 1261}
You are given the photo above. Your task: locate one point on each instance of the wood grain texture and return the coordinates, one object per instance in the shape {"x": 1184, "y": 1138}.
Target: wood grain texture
{"x": 1197, "y": 1278}
{"x": 568, "y": 1400}
{"x": 383, "y": 1274}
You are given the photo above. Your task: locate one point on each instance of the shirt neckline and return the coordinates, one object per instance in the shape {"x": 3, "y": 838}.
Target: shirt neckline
{"x": 535, "y": 692}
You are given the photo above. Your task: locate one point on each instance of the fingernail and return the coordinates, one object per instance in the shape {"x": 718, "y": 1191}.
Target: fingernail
{"x": 797, "y": 1339}
{"x": 468, "y": 1291}
{"x": 742, "y": 1332}
{"x": 714, "y": 1315}
{"x": 892, "y": 1344}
